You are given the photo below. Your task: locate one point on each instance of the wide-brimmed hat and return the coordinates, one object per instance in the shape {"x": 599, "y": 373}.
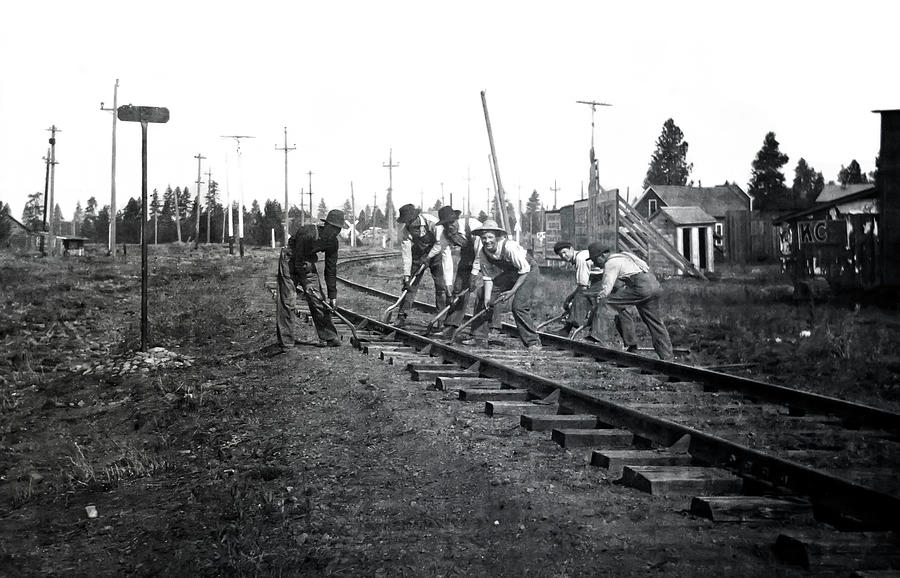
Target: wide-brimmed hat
{"x": 597, "y": 248}
{"x": 489, "y": 226}
{"x": 446, "y": 214}
{"x": 408, "y": 212}
{"x": 336, "y": 217}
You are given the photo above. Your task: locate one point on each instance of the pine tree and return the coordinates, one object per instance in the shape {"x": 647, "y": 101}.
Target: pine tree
{"x": 322, "y": 210}
{"x": 766, "y": 179}
{"x": 852, "y": 174}
{"x": 807, "y": 185}
{"x": 78, "y": 217}
{"x": 33, "y": 212}
{"x": 668, "y": 165}
{"x": 5, "y": 225}
{"x": 532, "y": 212}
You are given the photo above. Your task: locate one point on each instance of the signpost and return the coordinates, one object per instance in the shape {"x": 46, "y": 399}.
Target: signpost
{"x": 143, "y": 115}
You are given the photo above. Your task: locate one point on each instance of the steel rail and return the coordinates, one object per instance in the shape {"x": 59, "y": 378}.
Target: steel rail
{"x": 839, "y": 498}
{"x": 853, "y": 414}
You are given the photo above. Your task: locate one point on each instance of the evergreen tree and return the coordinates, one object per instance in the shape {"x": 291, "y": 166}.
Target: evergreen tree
{"x": 89, "y": 223}
{"x": 254, "y": 228}
{"x": 807, "y": 185}
{"x": 130, "y": 232}
{"x": 378, "y": 218}
{"x": 78, "y": 217}
{"x": 5, "y": 224}
{"x": 437, "y": 206}
{"x": 57, "y": 219}
{"x": 101, "y": 229}
{"x": 482, "y": 217}
{"x": 852, "y": 174}
{"x": 348, "y": 209}
{"x": 533, "y": 212}
{"x": 766, "y": 179}
{"x": 272, "y": 218}
{"x": 363, "y": 223}
{"x": 33, "y": 212}
{"x": 322, "y": 210}
{"x": 668, "y": 165}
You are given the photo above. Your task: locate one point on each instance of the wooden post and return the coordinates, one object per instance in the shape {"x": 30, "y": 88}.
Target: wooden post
{"x": 501, "y": 198}
{"x": 287, "y": 223}
{"x": 199, "y": 158}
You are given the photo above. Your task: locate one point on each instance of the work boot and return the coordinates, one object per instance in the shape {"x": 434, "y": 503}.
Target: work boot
{"x": 479, "y": 342}
{"x": 333, "y": 343}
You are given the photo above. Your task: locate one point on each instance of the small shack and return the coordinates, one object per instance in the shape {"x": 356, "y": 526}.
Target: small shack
{"x": 73, "y": 245}
{"x": 690, "y": 231}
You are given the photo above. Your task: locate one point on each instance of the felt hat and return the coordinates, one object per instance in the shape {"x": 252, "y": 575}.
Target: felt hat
{"x": 408, "y": 212}
{"x": 446, "y": 214}
{"x": 560, "y": 245}
{"x": 336, "y": 217}
{"x": 489, "y": 226}
{"x": 597, "y": 248}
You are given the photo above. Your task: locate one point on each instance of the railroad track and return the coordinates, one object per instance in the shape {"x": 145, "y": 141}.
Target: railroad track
{"x": 742, "y": 450}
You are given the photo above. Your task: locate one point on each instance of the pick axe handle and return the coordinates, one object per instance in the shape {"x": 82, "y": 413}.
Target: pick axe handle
{"x": 559, "y": 317}
{"x": 471, "y": 320}
{"x": 387, "y": 312}
{"x": 443, "y": 312}
{"x": 331, "y": 309}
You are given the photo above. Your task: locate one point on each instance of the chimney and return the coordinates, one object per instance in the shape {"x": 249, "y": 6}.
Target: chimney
{"x": 887, "y": 182}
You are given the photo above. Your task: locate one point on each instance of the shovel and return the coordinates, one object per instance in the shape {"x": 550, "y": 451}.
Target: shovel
{"x": 487, "y": 311}
{"x": 386, "y": 316}
{"x": 443, "y": 312}
{"x": 334, "y": 312}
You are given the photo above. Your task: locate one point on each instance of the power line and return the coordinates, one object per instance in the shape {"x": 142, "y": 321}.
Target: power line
{"x": 286, "y": 150}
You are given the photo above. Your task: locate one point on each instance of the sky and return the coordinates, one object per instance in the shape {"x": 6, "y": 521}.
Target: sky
{"x": 357, "y": 83}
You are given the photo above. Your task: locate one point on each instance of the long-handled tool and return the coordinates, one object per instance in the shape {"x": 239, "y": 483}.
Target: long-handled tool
{"x": 443, "y": 312}
{"x": 489, "y": 310}
{"x": 386, "y": 316}
{"x": 322, "y": 301}
{"x": 559, "y": 317}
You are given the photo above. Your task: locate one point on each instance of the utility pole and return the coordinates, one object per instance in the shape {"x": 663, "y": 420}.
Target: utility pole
{"x": 199, "y": 157}
{"x": 52, "y": 205}
{"x": 302, "y": 205}
{"x": 555, "y": 190}
{"x": 46, "y": 191}
{"x": 389, "y": 203}
{"x": 501, "y": 198}
{"x": 353, "y": 216}
{"x": 112, "y": 194}
{"x": 311, "y": 218}
{"x": 237, "y": 140}
{"x": 286, "y": 150}
{"x": 443, "y": 202}
{"x": 594, "y": 184}
{"x": 469, "y": 191}
{"x": 209, "y": 184}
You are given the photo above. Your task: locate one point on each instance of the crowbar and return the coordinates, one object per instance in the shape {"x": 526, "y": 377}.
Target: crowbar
{"x": 487, "y": 310}
{"x": 559, "y": 317}
{"x": 386, "y": 316}
{"x": 335, "y": 312}
{"x": 443, "y": 312}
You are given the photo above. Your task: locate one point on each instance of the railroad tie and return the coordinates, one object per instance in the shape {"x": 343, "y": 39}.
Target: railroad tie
{"x": 519, "y": 408}
{"x": 606, "y": 438}
{"x": 829, "y": 551}
{"x": 616, "y": 460}
{"x": 551, "y": 422}
{"x": 681, "y": 480}
{"x": 751, "y": 508}
{"x": 455, "y": 383}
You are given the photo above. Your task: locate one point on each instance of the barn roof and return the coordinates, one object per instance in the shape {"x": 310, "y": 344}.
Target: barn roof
{"x": 716, "y": 200}
{"x": 864, "y": 193}
{"x": 833, "y": 192}
{"x": 685, "y": 215}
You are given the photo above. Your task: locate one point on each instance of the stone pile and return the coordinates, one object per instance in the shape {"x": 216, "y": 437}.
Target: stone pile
{"x": 140, "y": 362}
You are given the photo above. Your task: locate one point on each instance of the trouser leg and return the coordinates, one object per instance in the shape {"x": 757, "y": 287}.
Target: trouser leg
{"x": 625, "y": 325}
{"x": 521, "y": 310}
{"x": 458, "y": 309}
{"x": 659, "y": 335}
{"x": 320, "y": 316}
{"x": 480, "y": 326}
{"x": 410, "y": 293}
{"x": 285, "y": 317}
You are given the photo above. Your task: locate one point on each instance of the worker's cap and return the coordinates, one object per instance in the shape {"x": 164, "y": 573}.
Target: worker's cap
{"x": 597, "y": 248}
{"x": 336, "y": 217}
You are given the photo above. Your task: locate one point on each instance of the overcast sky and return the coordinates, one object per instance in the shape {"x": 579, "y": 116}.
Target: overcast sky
{"x": 353, "y": 80}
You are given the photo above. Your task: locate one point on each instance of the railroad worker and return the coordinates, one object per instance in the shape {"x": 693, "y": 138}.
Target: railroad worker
{"x": 418, "y": 245}
{"x": 458, "y": 232}
{"x": 639, "y": 288}
{"x": 285, "y": 318}
{"x": 309, "y": 241}
{"x": 578, "y": 302}
{"x": 510, "y": 273}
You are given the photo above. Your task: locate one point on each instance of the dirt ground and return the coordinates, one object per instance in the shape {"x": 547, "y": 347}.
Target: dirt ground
{"x": 216, "y": 456}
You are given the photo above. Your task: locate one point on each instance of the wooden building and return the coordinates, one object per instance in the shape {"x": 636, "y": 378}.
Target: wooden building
{"x": 690, "y": 231}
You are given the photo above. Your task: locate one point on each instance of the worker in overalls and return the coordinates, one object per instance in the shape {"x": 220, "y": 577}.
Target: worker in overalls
{"x": 581, "y": 307}
{"x": 639, "y": 288}
{"x": 307, "y": 243}
{"x": 510, "y": 274}
{"x": 418, "y": 245}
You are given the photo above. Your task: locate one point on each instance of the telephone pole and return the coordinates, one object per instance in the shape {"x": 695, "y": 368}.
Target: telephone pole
{"x": 310, "y": 173}
{"x": 389, "y": 203}
{"x": 209, "y": 184}
{"x": 112, "y": 194}
{"x": 47, "y": 162}
{"x": 199, "y": 157}
{"x": 286, "y": 150}
{"x": 555, "y": 190}
{"x": 594, "y": 184}
{"x": 51, "y": 203}
{"x": 237, "y": 141}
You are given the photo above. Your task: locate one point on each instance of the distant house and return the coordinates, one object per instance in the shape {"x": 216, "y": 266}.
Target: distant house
{"x": 19, "y": 235}
{"x": 714, "y": 201}
{"x": 833, "y": 192}
{"x": 688, "y": 229}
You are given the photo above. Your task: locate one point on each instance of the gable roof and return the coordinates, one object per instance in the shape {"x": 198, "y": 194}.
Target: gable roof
{"x": 16, "y": 222}
{"x": 833, "y": 192}
{"x": 714, "y": 200}
{"x": 859, "y": 195}
{"x": 685, "y": 215}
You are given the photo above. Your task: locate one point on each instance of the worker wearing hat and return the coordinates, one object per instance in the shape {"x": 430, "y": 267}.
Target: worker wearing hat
{"x": 419, "y": 244}
{"x": 578, "y": 303}
{"x": 457, "y": 232}
{"x": 306, "y": 245}
{"x": 639, "y": 287}
{"x": 510, "y": 274}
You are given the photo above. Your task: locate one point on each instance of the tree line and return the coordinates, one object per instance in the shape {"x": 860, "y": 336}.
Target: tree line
{"x": 669, "y": 166}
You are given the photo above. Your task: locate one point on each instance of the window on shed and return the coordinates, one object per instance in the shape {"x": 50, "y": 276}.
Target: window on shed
{"x": 651, "y": 207}
{"x": 717, "y": 237}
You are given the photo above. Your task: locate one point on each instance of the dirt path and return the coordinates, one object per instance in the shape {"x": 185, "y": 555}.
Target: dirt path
{"x": 316, "y": 462}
